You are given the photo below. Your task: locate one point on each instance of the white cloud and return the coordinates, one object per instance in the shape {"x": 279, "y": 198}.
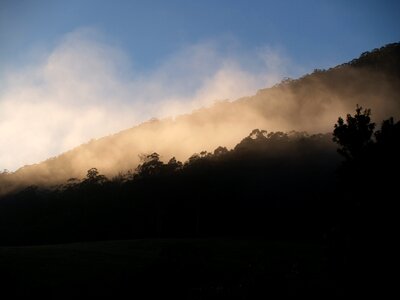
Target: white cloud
{"x": 85, "y": 89}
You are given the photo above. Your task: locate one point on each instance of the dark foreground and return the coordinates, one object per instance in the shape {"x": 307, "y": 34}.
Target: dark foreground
{"x": 219, "y": 268}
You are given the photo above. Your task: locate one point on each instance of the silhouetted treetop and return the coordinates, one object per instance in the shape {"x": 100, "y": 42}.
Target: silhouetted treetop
{"x": 151, "y": 165}
{"x": 258, "y": 134}
{"x": 358, "y": 140}
{"x": 173, "y": 165}
{"x": 372, "y": 158}
{"x": 93, "y": 177}
{"x": 355, "y": 134}
{"x": 220, "y": 151}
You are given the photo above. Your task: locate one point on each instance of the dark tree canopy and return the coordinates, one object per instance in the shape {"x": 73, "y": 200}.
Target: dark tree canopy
{"x": 355, "y": 135}
{"x": 151, "y": 165}
{"x": 94, "y": 177}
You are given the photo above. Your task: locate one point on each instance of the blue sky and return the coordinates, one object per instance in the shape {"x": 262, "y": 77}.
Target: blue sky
{"x": 81, "y": 69}
{"x": 314, "y": 33}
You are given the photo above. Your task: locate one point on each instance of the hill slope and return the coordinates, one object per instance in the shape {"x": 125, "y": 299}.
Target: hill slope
{"x": 311, "y": 103}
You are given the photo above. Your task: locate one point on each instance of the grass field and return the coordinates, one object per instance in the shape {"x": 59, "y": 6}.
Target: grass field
{"x": 185, "y": 268}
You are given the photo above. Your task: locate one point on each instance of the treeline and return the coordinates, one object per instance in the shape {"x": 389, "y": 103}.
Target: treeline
{"x": 275, "y": 185}
{"x": 270, "y": 184}
{"x": 304, "y": 104}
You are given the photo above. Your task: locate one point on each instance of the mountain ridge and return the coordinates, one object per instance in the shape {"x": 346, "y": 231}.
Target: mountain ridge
{"x": 310, "y": 103}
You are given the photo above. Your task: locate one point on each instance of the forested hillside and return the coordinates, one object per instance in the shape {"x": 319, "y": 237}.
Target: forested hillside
{"x": 310, "y": 103}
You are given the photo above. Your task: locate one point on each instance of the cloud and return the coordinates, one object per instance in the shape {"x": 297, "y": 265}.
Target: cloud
{"x": 84, "y": 88}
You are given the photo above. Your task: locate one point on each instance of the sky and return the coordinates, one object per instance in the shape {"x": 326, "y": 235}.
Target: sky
{"x": 81, "y": 69}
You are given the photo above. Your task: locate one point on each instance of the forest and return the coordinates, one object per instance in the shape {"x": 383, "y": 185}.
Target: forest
{"x": 287, "y": 187}
{"x": 310, "y": 103}
{"x": 335, "y": 192}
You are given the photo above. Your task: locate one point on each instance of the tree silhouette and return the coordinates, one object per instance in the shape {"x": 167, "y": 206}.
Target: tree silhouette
{"x": 173, "y": 165}
{"x": 367, "y": 185}
{"x": 93, "y": 177}
{"x": 220, "y": 151}
{"x": 355, "y": 135}
{"x": 92, "y": 174}
{"x": 151, "y": 165}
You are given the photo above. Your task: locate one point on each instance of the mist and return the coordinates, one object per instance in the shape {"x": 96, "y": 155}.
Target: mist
{"x": 84, "y": 88}
{"x": 198, "y": 99}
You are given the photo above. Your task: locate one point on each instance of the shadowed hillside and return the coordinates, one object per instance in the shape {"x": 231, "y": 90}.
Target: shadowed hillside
{"x": 267, "y": 179}
{"x": 309, "y": 103}
{"x": 277, "y": 215}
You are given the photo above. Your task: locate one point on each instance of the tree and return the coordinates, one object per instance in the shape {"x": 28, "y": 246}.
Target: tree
{"x": 173, "y": 165}
{"x": 354, "y": 136}
{"x": 151, "y": 165}
{"x": 368, "y": 185}
{"x": 220, "y": 151}
{"x": 93, "y": 177}
{"x": 92, "y": 174}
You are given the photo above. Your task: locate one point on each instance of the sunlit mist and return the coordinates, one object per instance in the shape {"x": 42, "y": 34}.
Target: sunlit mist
{"x": 87, "y": 92}
{"x": 84, "y": 89}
